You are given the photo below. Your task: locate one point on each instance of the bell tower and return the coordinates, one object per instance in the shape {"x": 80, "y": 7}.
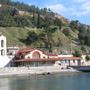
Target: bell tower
{"x": 2, "y": 45}
{"x": 4, "y": 60}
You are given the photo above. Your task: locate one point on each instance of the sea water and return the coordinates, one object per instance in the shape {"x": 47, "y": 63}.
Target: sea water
{"x": 62, "y": 81}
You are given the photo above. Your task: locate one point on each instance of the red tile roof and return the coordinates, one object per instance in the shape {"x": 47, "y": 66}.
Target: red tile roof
{"x": 25, "y": 50}
{"x": 49, "y": 59}
{"x": 51, "y": 54}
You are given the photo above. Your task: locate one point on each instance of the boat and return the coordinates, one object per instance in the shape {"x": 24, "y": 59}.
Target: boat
{"x": 82, "y": 68}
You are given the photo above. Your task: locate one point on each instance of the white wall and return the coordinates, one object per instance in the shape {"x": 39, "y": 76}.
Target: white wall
{"x": 65, "y": 55}
{"x": 4, "y": 60}
{"x": 42, "y": 55}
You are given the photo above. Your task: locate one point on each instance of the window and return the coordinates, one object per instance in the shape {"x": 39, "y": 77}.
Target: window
{"x": 28, "y": 57}
{"x": 2, "y": 43}
{"x": 2, "y": 52}
{"x": 65, "y": 61}
{"x": 44, "y": 57}
{"x": 73, "y": 61}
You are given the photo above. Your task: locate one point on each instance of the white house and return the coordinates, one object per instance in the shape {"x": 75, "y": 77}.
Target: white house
{"x": 4, "y": 60}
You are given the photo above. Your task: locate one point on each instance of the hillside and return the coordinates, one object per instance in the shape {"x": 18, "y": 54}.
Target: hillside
{"x": 30, "y": 26}
{"x": 14, "y": 34}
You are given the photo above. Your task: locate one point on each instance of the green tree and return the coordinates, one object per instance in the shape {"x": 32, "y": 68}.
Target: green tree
{"x": 5, "y": 1}
{"x": 58, "y": 22}
{"x": 87, "y": 37}
{"x": 47, "y": 35}
{"x": 77, "y": 53}
{"x": 38, "y": 20}
{"x": 87, "y": 58}
{"x": 66, "y": 31}
{"x": 32, "y": 37}
{"x": 74, "y": 24}
{"x": 83, "y": 48}
{"x": 22, "y": 21}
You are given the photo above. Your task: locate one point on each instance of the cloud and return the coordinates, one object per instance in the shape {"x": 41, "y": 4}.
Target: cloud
{"x": 80, "y": 1}
{"x": 82, "y": 9}
{"x": 77, "y": 8}
{"x": 59, "y": 8}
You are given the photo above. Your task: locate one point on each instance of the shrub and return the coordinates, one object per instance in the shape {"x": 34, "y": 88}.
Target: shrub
{"x": 77, "y": 53}
{"x": 87, "y": 58}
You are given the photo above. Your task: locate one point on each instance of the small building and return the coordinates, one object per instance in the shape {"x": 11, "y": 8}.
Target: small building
{"x": 35, "y": 57}
{"x": 12, "y": 50}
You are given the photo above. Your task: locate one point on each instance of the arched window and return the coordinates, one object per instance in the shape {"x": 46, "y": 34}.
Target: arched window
{"x": 2, "y": 52}
{"x": 2, "y": 43}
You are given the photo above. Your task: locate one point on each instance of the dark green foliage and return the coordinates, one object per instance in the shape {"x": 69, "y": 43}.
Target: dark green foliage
{"x": 87, "y": 38}
{"x": 5, "y": 1}
{"x": 74, "y": 24}
{"x": 45, "y": 36}
{"x": 32, "y": 37}
{"x": 58, "y": 22}
{"x": 66, "y": 31}
{"x": 77, "y": 53}
{"x": 7, "y": 21}
{"x": 40, "y": 18}
{"x": 83, "y": 48}
{"x": 84, "y": 34}
{"x": 21, "y": 21}
{"x": 8, "y": 11}
{"x": 87, "y": 58}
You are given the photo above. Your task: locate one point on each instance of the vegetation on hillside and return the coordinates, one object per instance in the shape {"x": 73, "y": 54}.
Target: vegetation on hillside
{"x": 10, "y": 15}
{"x": 84, "y": 32}
{"x": 35, "y": 27}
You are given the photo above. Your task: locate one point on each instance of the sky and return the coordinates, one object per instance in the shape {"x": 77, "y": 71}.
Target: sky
{"x": 71, "y": 9}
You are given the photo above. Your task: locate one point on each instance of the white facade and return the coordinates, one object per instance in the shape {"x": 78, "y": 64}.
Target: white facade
{"x": 4, "y": 60}
{"x": 41, "y": 54}
{"x": 66, "y": 62}
{"x": 12, "y": 50}
{"x": 65, "y": 55}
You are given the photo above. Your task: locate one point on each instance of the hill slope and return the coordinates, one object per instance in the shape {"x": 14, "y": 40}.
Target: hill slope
{"x": 18, "y": 20}
{"x": 14, "y": 34}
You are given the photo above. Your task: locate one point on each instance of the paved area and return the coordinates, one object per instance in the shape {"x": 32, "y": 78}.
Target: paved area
{"x": 33, "y": 70}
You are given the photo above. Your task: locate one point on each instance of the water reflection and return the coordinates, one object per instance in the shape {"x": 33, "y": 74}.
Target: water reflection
{"x": 49, "y": 82}
{"x": 4, "y": 84}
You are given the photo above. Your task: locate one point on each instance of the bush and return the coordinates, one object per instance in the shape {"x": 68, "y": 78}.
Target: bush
{"x": 87, "y": 58}
{"x": 77, "y": 53}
